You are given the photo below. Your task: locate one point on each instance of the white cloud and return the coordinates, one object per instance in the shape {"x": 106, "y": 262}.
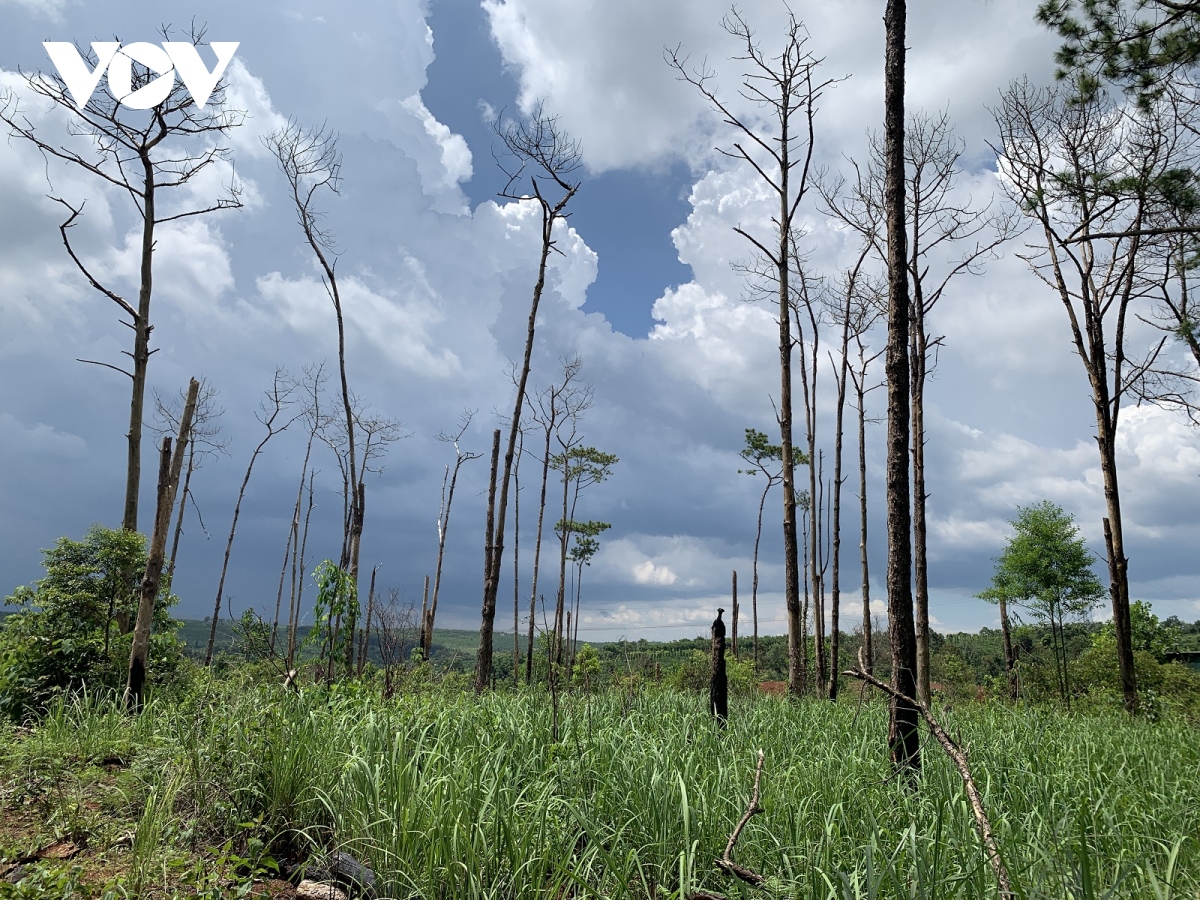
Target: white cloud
{"x": 648, "y": 573}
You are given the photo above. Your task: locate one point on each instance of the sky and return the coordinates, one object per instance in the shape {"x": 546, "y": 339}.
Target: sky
{"x": 437, "y": 272}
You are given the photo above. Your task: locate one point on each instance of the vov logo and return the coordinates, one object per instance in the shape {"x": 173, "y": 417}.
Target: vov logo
{"x": 117, "y": 61}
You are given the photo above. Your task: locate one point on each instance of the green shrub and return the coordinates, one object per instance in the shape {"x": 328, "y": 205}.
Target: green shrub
{"x": 75, "y": 626}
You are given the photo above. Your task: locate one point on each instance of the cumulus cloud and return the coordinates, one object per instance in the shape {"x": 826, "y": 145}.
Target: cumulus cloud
{"x": 648, "y": 573}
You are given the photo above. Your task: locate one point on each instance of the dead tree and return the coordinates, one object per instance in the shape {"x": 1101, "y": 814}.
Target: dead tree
{"x": 759, "y": 452}
{"x": 735, "y": 616}
{"x": 311, "y": 162}
{"x": 364, "y": 635}
{"x": 718, "y": 690}
{"x": 947, "y": 236}
{"x": 169, "y": 468}
{"x": 538, "y": 144}
{"x": 871, "y": 311}
{"x": 850, "y": 313}
{"x": 312, "y": 382}
{"x": 559, "y": 403}
{"x": 862, "y": 301}
{"x": 483, "y": 667}
{"x": 808, "y": 300}
{"x": 272, "y": 414}
{"x": 443, "y": 524}
{"x": 140, "y": 155}
{"x": 204, "y": 443}
{"x": 786, "y": 89}
{"x": 1066, "y": 164}
{"x": 903, "y": 739}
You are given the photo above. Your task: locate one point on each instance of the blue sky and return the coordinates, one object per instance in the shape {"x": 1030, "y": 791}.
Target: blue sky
{"x": 438, "y": 273}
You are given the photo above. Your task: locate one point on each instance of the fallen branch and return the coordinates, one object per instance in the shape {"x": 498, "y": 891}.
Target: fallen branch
{"x": 959, "y": 757}
{"x": 726, "y": 863}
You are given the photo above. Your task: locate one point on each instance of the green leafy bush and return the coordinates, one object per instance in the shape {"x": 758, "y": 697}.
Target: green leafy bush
{"x": 75, "y": 626}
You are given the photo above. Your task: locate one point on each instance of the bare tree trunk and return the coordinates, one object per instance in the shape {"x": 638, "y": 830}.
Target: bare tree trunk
{"x": 141, "y": 348}
{"x": 797, "y": 639}
{"x": 279, "y": 396}
{"x": 903, "y": 739}
{"x": 364, "y": 649}
{"x": 287, "y": 555}
{"x": 815, "y": 565}
{"x": 919, "y": 348}
{"x": 168, "y": 479}
{"x": 183, "y": 496}
{"x": 1010, "y": 660}
{"x": 754, "y": 582}
{"x": 735, "y": 615}
{"x": 517, "y": 562}
{"x": 543, "y": 144}
{"x": 426, "y": 631}
{"x": 835, "y": 579}
{"x": 1118, "y": 573}
{"x": 298, "y": 582}
{"x": 483, "y": 660}
{"x": 443, "y": 529}
{"x": 537, "y": 555}
{"x": 563, "y": 539}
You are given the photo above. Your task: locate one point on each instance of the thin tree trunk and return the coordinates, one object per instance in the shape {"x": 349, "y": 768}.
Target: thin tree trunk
{"x": 1010, "y": 660}
{"x": 293, "y": 544}
{"x": 237, "y": 509}
{"x": 517, "y": 563}
{"x": 483, "y": 660}
{"x": 919, "y": 349}
{"x": 754, "y": 582}
{"x": 862, "y": 516}
{"x": 299, "y": 583}
{"x": 492, "y": 584}
{"x": 835, "y": 582}
{"x": 443, "y": 529}
{"x": 797, "y": 639}
{"x": 563, "y": 539}
{"x": 537, "y": 555}
{"x": 903, "y": 739}
{"x": 364, "y": 650}
{"x": 183, "y": 496}
{"x": 169, "y": 468}
{"x": 426, "y": 622}
{"x": 735, "y": 615}
{"x": 141, "y": 346}
{"x": 287, "y": 554}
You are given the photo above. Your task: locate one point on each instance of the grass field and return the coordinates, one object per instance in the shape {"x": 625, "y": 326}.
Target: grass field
{"x": 448, "y": 796}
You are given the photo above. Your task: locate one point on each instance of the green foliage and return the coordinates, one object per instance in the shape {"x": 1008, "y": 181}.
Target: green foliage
{"x": 1146, "y": 632}
{"x": 694, "y": 673}
{"x": 1046, "y": 566}
{"x": 1047, "y": 569}
{"x": 76, "y": 623}
{"x": 45, "y": 883}
{"x": 334, "y": 616}
{"x": 1137, "y": 44}
{"x": 587, "y": 667}
{"x": 758, "y": 452}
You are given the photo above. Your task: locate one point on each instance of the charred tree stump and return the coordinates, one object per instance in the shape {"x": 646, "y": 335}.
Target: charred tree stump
{"x": 718, "y": 694}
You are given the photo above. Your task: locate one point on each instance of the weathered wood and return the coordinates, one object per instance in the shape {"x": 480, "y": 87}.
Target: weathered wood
{"x": 718, "y": 692}
{"x": 169, "y": 468}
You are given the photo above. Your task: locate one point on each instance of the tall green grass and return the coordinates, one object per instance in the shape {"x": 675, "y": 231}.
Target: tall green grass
{"x": 448, "y": 796}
